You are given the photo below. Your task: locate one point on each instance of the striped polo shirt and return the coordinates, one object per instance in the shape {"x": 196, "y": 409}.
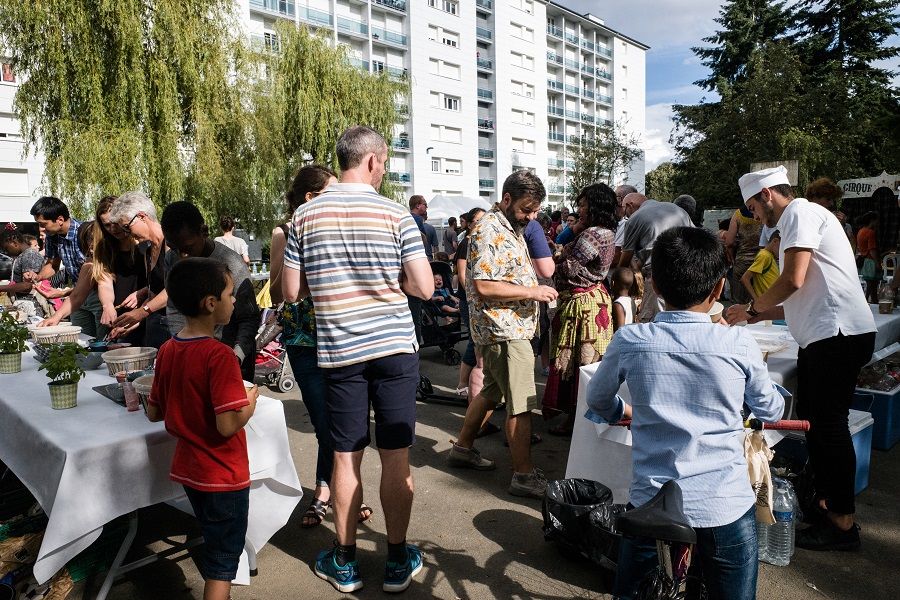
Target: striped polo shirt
{"x": 351, "y": 243}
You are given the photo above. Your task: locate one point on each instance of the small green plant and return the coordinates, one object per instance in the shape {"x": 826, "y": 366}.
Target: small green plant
{"x": 62, "y": 362}
{"x": 12, "y": 334}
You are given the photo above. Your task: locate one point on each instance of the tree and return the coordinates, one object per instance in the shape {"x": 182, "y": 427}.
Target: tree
{"x": 163, "y": 95}
{"x": 746, "y": 26}
{"x": 601, "y": 155}
{"x": 660, "y": 182}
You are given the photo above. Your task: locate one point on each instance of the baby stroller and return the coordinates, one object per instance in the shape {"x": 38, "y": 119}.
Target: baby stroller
{"x": 437, "y": 329}
{"x": 272, "y": 365}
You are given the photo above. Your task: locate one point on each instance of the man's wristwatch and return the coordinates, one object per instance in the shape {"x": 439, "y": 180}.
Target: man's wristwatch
{"x": 752, "y": 311}
{"x": 147, "y": 309}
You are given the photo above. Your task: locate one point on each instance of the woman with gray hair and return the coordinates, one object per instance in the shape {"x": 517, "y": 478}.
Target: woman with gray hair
{"x": 135, "y": 213}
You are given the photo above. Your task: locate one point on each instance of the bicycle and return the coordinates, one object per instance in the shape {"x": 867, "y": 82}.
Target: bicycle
{"x": 662, "y": 519}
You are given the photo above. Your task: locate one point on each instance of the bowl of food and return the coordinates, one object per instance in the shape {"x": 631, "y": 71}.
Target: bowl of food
{"x": 715, "y": 312}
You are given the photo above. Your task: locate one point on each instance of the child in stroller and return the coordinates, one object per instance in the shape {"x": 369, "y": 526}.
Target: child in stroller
{"x": 444, "y": 300}
{"x": 441, "y": 326}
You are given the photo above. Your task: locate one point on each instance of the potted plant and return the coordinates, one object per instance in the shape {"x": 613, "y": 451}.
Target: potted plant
{"x": 12, "y": 343}
{"x": 64, "y": 371}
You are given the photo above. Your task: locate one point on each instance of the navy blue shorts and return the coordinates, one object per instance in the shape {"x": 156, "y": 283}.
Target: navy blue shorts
{"x": 223, "y": 523}
{"x": 468, "y": 356}
{"x": 389, "y": 385}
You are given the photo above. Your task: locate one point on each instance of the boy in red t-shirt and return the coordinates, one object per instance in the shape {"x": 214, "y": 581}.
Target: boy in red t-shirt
{"x": 199, "y": 392}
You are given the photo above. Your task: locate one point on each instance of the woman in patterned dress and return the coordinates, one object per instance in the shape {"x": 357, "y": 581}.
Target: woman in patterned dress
{"x": 582, "y": 326}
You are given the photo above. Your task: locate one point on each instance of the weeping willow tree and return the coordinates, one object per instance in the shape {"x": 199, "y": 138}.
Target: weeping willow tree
{"x": 161, "y": 95}
{"x": 298, "y": 102}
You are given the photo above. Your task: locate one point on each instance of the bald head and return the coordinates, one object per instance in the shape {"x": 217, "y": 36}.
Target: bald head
{"x": 622, "y": 191}
{"x": 632, "y": 202}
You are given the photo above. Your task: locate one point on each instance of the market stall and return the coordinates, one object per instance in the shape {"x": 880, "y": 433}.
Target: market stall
{"x": 93, "y": 463}
{"x": 878, "y": 194}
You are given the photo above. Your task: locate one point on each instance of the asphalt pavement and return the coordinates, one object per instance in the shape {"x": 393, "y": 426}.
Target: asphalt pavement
{"x": 479, "y": 541}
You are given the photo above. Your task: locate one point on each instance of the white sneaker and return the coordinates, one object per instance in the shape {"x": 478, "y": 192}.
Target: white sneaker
{"x": 462, "y": 392}
{"x": 469, "y": 458}
{"x": 530, "y": 485}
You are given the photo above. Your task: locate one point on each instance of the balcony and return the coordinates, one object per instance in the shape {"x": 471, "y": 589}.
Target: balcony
{"x": 554, "y": 58}
{"x": 359, "y": 63}
{"x": 486, "y": 184}
{"x": 486, "y": 95}
{"x": 394, "y": 72}
{"x": 571, "y": 89}
{"x": 587, "y": 118}
{"x": 485, "y": 64}
{"x": 554, "y": 31}
{"x": 485, "y": 154}
{"x": 604, "y": 99}
{"x": 572, "y": 64}
{"x": 484, "y": 4}
{"x": 352, "y": 27}
{"x": 281, "y": 7}
{"x": 401, "y": 178}
{"x": 587, "y": 93}
{"x": 401, "y": 144}
{"x": 604, "y": 74}
{"x": 398, "y": 5}
{"x": 587, "y": 45}
{"x": 557, "y": 189}
{"x": 483, "y": 34}
{"x": 588, "y": 69}
{"x": 556, "y": 137}
{"x": 402, "y": 111}
{"x": 553, "y": 85}
{"x": 572, "y": 38}
{"x": 573, "y": 114}
{"x": 603, "y": 51}
{"x": 316, "y": 17}
{"x": 555, "y": 111}
{"x": 389, "y": 37}
{"x": 486, "y": 124}
{"x": 574, "y": 139}
{"x": 604, "y": 122}
{"x": 556, "y": 163}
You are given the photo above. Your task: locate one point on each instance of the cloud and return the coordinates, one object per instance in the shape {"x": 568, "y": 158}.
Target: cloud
{"x": 656, "y": 138}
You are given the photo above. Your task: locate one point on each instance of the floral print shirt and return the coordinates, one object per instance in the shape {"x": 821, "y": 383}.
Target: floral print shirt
{"x": 299, "y": 322}
{"x": 497, "y": 253}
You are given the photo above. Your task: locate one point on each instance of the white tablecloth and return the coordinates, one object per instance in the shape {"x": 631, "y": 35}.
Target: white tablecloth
{"x": 888, "y": 327}
{"x": 95, "y": 462}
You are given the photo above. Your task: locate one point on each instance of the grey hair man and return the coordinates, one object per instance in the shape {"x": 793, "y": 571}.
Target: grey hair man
{"x": 366, "y": 343}
{"x": 621, "y": 191}
{"x": 688, "y": 204}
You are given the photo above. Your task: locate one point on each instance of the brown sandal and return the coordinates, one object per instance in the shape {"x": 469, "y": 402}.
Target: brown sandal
{"x": 365, "y": 513}
{"x": 315, "y": 513}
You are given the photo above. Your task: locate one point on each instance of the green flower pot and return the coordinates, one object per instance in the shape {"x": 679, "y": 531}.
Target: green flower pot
{"x": 63, "y": 394}
{"x": 11, "y": 363}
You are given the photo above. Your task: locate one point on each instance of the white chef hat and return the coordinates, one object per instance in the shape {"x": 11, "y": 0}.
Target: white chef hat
{"x": 753, "y": 183}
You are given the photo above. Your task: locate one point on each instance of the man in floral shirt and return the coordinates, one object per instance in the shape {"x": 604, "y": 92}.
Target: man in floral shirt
{"x": 503, "y": 293}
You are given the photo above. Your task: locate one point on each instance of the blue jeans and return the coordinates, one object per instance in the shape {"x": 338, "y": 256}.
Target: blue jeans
{"x": 312, "y": 389}
{"x": 725, "y": 557}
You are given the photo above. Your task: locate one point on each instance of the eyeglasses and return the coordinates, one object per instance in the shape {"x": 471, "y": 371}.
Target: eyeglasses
{"x": 128, "y": 226}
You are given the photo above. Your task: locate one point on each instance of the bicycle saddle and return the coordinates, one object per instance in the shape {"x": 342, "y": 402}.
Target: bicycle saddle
{"x": 662, "y": 518}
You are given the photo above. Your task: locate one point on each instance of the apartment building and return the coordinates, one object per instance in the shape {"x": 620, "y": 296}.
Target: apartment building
{"x": 496, "y": 85}
{"x": 20, "y": 177}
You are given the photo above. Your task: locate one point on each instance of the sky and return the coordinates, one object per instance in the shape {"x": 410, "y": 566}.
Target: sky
{"x": 670, "y": 28}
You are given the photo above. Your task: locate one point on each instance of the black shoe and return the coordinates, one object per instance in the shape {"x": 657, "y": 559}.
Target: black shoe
{"x": 826, "y": 536}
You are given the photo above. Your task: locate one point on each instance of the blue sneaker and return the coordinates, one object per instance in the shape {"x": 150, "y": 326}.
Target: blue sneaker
{"x": 397, "y": 576}
{"x": 345, "y": 579}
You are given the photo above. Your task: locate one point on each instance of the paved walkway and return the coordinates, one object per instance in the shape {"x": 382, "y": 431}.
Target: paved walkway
{"x": 482, "y": 543}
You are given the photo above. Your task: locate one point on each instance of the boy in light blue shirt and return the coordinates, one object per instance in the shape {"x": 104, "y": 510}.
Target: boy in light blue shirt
{"x": 689, "y": 379}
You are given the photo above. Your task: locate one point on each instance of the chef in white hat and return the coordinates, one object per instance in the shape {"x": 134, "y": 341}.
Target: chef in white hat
{"x": 819, "y": 295}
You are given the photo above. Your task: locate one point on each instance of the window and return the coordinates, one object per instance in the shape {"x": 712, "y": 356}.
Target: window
{"x": 522, "y": 117}
{"x": 442, "y": 133}
{"x": 437, "y": 66}
{"x": 451, "y": 103}
{"x": 522, "y": 32}
{"x": 448, "y": 6}
{"x": 523, "y": 145}
{"x": 625, "y": 70}
{"x": 624, "y": 93}
{"x": 435, "y": 165}
{"x": 377, "y": 66}
{"x": 450, "y": 39}
{"x": 270, "y": 40}
{"x": 522, "y": 60}
{"x": 520, "y": 88}
{"x": 523, "y": 5}
{"x": 445, "y": 101}
{"x": 452, "y": 167}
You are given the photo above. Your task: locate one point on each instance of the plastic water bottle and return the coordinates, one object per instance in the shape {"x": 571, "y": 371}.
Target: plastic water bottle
{"x": 762, "y": 540}
{"x": 781, "y": 534}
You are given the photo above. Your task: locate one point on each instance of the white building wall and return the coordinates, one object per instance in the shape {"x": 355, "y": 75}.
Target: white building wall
{"x": 20, "y": 176}
{"x": 630, "y": 101}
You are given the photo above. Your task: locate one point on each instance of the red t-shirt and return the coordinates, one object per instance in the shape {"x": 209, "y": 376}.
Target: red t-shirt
{"x": 195, "y": 380}
{"x": 866, "y": 241}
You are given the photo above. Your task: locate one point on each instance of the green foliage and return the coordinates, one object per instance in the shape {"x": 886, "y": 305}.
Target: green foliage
{"x": 62, "y": 362}
{"x": 163, "y": 96}
{"x": 746, "y": 26}
{"x": 660, "y": 182}
{"x": 600, "y": 156}
{"x": 12, "y": 334}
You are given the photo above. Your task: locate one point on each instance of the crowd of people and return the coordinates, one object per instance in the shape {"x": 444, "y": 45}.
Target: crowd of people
{"x": 622, "y": 280}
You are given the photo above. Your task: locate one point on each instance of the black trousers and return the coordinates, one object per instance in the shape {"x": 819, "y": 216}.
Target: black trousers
{"x": 826, "y": 378}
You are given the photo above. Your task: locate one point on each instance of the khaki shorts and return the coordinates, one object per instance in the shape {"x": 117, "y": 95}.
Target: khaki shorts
{"x": 509, "y": 375}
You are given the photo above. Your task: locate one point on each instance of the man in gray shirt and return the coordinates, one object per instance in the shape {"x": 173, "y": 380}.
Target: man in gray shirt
{"x": 649, "y": 219}
{"x": 187, "y": 235}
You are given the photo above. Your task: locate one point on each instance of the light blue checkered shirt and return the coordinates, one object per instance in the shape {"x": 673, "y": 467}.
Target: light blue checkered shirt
{"x": 688, "y": 380}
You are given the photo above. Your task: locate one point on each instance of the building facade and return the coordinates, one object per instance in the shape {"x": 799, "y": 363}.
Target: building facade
{"x": 496, "y": 85}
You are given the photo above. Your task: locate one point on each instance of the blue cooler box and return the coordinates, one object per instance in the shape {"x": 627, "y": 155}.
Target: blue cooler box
{"x": 885, "y": 409}
{"x": 861, "y": 427}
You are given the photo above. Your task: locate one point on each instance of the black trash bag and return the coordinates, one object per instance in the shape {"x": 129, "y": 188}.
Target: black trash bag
{"x": 602, "y": 537}
{"x": 566, "y": 508}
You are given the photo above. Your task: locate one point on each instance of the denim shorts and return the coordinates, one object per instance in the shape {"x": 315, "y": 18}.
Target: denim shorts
{"x": 223, "y": 523}
{"x": 389, "y": 385}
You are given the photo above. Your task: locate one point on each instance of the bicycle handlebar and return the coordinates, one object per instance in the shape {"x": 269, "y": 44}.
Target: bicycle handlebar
{"x": 755, "y": 424}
